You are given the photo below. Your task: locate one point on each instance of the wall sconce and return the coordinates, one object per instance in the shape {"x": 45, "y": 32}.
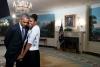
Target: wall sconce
{"x": 57, "y": 28}
{"x": 81, "y": 24}
{"x": 81, "y": 28}
{"x": 14, "y": 16}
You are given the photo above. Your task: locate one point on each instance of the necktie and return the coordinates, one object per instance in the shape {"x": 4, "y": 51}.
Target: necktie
{"x": 23, "y": 33}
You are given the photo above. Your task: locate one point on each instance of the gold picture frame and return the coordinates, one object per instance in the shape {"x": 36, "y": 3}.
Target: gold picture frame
{"x": 70, "y": 20}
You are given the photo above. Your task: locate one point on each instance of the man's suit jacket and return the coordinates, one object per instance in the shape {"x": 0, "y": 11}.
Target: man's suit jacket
{"x": 13, "y": 41}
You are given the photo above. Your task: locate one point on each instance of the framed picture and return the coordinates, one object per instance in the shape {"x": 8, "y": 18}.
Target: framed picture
{"x": 69, "y": 20}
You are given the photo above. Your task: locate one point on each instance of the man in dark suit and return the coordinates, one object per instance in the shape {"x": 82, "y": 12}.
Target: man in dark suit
{"x": 14, "y": 40}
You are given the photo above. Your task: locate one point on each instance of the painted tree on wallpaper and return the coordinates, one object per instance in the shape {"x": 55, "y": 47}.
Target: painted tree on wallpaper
{"x": 46, "y": 23}
{"x": 4, "y": 24}
{"x": 94, "y": 24}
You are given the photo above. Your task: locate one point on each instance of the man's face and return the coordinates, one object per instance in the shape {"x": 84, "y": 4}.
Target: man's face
{"x": 25, "y": 21}
{"x": 31, "y": 23}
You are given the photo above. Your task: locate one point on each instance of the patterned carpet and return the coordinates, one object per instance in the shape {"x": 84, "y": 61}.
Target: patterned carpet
{"x": 67, "y": 59}
{"x": 51, "y": 57}
{"x": 53, "y": 61}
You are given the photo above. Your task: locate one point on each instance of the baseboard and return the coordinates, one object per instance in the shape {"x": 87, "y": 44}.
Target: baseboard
{"x": 91, "y": 53}
{"x": 48, "y": 46}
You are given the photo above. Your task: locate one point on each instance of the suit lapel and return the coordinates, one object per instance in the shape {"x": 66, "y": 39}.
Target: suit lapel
{"x": 19, "y": 30}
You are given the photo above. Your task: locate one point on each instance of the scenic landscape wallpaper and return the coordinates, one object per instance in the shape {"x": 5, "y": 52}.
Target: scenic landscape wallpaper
{"x": 4, "y": 24}
{"x": 47, "y": 25}
{"x": 94, "y": 24}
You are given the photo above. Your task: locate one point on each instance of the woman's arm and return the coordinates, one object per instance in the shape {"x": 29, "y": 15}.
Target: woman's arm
{"x": 28, "y": 45}
{"x": 20, "y": 56}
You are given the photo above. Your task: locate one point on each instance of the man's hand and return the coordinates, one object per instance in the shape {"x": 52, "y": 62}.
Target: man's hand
{"x": 20, "y": 57}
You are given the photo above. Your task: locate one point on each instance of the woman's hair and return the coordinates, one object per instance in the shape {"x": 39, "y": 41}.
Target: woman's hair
{"x": 34, "y": 16}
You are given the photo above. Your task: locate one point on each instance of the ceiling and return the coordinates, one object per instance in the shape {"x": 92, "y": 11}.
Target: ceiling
{"x": 45, "y": 5}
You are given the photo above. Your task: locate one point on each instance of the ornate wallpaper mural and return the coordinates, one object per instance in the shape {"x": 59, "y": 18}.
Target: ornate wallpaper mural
{"x": 94, "y": 24}
{"x": 4, "y": 24}
{"x": 47, "y": 25}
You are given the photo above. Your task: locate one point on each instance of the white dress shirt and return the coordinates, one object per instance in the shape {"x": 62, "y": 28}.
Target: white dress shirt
{"x": 22, "y": 32}
{"x": 33, "y": 38}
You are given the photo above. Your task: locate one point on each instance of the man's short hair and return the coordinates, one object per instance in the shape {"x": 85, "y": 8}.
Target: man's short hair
{"x": 24, "y": 15}
{"x": 34, "y": 16}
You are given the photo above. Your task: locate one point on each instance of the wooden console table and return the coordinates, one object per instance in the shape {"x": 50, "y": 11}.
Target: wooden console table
{"x": 44, "y": 40}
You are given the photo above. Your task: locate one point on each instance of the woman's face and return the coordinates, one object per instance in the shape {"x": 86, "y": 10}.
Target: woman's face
{"x": 31, "y": 23}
